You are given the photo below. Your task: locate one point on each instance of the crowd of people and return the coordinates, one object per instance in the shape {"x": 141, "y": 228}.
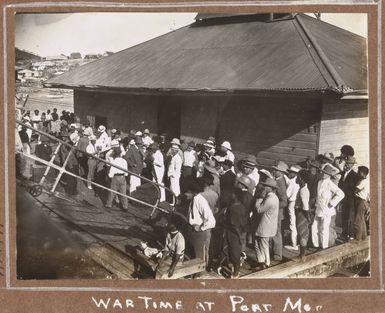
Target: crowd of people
{"x": 229, "y": 204}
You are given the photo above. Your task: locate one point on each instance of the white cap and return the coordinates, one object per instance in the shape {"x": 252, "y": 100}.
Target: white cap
{"x": 114, "y": 143}
{"x": 226, "y": 145}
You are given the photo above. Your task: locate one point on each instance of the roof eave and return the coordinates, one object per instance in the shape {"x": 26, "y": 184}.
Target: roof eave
{"x": 206, "y": 91}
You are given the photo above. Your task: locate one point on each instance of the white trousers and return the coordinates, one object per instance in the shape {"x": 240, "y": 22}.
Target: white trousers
{"x": 174, "y": 185}
{"x": 134, "y": 183}
{"x": 320, "y": 230}
{"x": 293, "y": 226}
{"x": 162, "y": 191}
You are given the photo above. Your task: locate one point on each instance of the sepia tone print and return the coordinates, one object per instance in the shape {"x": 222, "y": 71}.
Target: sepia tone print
{"x": 216, "y": 146}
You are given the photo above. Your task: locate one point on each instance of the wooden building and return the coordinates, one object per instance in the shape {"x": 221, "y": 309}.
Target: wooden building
{"x": 279, "y": 87}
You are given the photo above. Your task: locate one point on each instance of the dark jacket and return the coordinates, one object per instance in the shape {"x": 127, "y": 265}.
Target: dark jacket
{"x": 282, "y": 196}
{"x": 134, "y": 160}
{"x": 227, "y": 182}
{"x": 348, "y": 185}
{"x": 236, "y": 217}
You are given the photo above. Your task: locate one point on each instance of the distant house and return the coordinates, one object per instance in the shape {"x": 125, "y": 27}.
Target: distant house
{"x": 107, "y": 53}
{"x": 45, "y": 64}
{"x": 91, "y": 57}
{"x": 284, "y": 90}
{"x": 75, "y": 55}
{"x": 60, "y": 57}
{"x": 25, "y": 74}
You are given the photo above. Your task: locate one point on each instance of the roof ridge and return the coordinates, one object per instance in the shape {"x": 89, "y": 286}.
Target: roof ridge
{"x": 339, "y": 82}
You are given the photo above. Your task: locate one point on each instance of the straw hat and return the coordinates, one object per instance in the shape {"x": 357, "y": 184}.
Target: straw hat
{"x": 87, "y": 132}
{"x": 101, "y": 129}
{"x": 175, "y": 141}
{"x": 226, "y": 145}
{"x": 146, "y": 131}
{"x": 245, "y": 181}
{"x": 270, "y": 182}
{"x": 281, "y": 166}
{"x": 266, "y": 173}
{"x": 250, "y": 161}
{"x": 350, "y": 160}
{"x": 329, "y": 170}
{"x": 114, "y": 143}
{"x": 210, "y": 166}
{"x": 294, "y": 168}
{"x": 209, "y": 144}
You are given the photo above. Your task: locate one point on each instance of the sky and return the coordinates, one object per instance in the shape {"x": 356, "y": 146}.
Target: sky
{"x": 54, "y": 34}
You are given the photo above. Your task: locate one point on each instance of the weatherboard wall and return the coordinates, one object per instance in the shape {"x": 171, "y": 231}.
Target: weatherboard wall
{"x": 290, "y": 129}
{"x": 122, "y": 111}
{"x": 345, "y": 122}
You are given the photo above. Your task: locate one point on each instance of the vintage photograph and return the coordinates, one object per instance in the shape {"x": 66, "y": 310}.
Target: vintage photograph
{"x": 192, "y": 145}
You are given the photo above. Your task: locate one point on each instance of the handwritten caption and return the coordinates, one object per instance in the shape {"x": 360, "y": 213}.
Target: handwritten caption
{"x": 235, "y": 304}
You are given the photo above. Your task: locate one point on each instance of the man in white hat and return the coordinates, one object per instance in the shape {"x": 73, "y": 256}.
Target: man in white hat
{"x": 91, "y": 162}
{"x": 74, "y": 137}
{"x": 226, "y": 148}
{"x": 114, "y": 144}
{"x": 279, "y": 173}
{"x": 118, "y": 180}
{"x": 82, "y": 146}
{"x": 265, "y": 220}
{"x": 87, "y": 131}
{"x": 248, "y": 167}
{"x": 328, "y": 197}
{"x": 174, "y": 170}
{"x": 158, "y": 168}
{"x": 291, "y": 192}
{"x": 147, "y": 140}
{"x": 102, "y": 141}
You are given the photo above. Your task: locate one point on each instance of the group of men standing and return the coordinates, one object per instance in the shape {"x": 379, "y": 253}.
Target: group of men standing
{"x": 229, "y": 207}
{"x": 230, "y": 204}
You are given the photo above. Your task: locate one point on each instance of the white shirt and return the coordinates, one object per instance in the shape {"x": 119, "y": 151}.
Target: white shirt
{"x": 103, "y": 141}
{"x": 48, "y": 117}
{"x": 175, "y": 166}
{"x": 189, "y": 158}
{"x": 230, "y": 156}
{"x": 147, "y": 140}
{"x": 158, "y": 162}
{"x": 328, "y": 196}
{"x": 200, "y": 213}
{"x": 175, "y": 244}
{"x": 91, "y": 149}
{"x": 292, "y": 189}
{"x": 254, "y": 175}
{"x": 362, "y": 189}
{"x": 118, "y": 162}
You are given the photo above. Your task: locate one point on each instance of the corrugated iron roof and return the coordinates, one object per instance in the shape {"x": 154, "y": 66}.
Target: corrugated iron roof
{"x": 252, "y": 55}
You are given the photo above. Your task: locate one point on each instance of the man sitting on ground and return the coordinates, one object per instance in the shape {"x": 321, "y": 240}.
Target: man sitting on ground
{"x": 174, "y": 248}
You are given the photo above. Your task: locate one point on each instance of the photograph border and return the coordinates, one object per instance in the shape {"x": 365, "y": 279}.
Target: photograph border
{"x": 373, "y": 284}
